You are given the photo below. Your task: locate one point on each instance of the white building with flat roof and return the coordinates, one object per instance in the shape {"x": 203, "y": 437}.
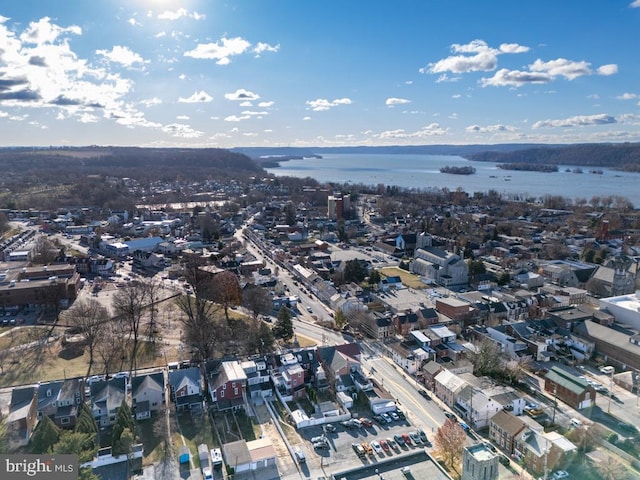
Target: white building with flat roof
{"x": 624, "y": 308}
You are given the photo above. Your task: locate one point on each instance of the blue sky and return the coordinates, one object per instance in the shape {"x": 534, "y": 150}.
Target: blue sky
{"x": 209, "y": 73}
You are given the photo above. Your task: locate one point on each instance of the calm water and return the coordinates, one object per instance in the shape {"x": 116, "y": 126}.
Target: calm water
{"x": 423, "y": 171}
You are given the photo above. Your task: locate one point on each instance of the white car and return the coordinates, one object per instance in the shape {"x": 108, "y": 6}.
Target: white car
{"x": 377, "y": 447}
{"x": 560, "y": 474}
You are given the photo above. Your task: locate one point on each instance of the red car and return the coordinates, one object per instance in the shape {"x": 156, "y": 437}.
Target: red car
{"x": 407, "y": 439}
{"x": 384, "y": 445}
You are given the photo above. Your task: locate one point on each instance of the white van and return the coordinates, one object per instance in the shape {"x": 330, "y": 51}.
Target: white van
{"x": 574, "y": 422}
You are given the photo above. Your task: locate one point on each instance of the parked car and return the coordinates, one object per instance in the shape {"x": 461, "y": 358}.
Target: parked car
{"x": 401, "y": 415}
{"x": 348, "y": 424}
{"x": 415, "y": 438}
{"x": 504, "y": 460}
{"x": 329, "y": 427}
{"x": 321, "y": 445}
{"x": 464, "y": 426}
{"x": 386, "y": 417}
{"x": 358, "y": 449}
{"x": 422, "y": 435}
{"x": 392, "y": 443}
{"x": 425, "y": 394}
{"x": 450, "y": 415}
{"x": 399, "y": 440}
{"x": 377, "y": 447}
{"x": 366, "y": 422}
{"x": 627, "y": 427}
{"x": 317, "y": 439}
{"x": 394, "y": 416}
{"x": 560, "y": 474}
{"x": 407, "y": 439}
{"x": 385, "y": 446}
{"x": 367, "y": 448}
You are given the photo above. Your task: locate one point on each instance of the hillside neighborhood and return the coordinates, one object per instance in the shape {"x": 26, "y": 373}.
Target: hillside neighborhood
{"x": 351, "y": 332}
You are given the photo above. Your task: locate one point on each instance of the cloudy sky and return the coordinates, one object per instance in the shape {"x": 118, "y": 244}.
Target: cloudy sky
{"x": 318, "y": 73}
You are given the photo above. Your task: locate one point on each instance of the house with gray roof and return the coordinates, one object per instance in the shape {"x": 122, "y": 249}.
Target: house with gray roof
{"x": 106, "y": 398}
{"x": 186, "y": 389}
{"x": 147, "y": 394}
{"x": 60, "y": 400}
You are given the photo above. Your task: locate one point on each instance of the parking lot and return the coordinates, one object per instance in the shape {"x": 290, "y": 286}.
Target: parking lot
{"x": 378, "y": 440}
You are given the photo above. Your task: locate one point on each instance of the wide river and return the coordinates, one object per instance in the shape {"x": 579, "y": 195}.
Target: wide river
{"x": 423, "y": 171}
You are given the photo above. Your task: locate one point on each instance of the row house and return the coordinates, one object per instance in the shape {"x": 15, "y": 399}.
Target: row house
{"x": 227, "y": 385}
{"x": 258, "y": 380}
{"x": 343, "y": 368}
{"x": 447, "y": 387}
{"x": 289, "y": 377}
{"x": 378, "y": 326}
{"x": 476, "y": 407}
{"x": 405, "y": 322}
{"x": 504, "y": 428}
{"x": 542, "y": 451}
{"x": 456, "y": 309}
{"x": 408, "y": 355}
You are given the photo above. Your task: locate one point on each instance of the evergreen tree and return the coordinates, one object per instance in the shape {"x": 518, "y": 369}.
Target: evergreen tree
{"x": 4, "y": 442}
{"x": 284, "y": 326}
{"x": 80, "y": 444}
{"x": 45, "y": 436}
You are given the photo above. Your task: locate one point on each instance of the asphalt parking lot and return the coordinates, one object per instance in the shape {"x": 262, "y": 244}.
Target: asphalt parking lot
{"x": 340, "y": 454}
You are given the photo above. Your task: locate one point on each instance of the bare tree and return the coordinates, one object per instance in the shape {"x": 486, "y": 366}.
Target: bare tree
{"x": 257, "y": 300}
{"x": 111, "y": 350}
{"x": 152, "y": 295}
{"x": 611, "y": 469}
{"x": 227, "y": 291}
{"x": 90, "y": 318}
{"x": 203, "y": 330}
{"x": 44, "y": 251}
{"x": 449, "y": 441}
{"x": 128, "y": 305}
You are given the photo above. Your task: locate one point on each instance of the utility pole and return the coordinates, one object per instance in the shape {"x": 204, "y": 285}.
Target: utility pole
{"x": 555, "y": 403}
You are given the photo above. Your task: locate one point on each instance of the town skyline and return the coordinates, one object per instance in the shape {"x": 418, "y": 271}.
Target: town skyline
{"x": 210, "y": 74}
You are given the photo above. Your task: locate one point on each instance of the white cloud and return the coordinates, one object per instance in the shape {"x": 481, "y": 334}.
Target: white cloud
{"x": 514, "y": 78}
{"x": 182, "y": 117}
{"x": 172, "y": 15}
{"x": 253, "y": 113}
{"x": 44, "y": 32}
{"x": 220, "y": 51}
{"x": 498, "y": 128}
{"x": 197, "y": 97}
{"x": 474, "y": 56}
{"x": 265, "y": 47}
{"x": 88, "y": 118}
{"x": 266, "y": 104}
{"x": 561, "y": 67}
{"x": 635, "y": 4}
{"x": 610, "y": 69}
{"x": 242, "y": 94}
{"x": 182, "y": 76}
{"x": 122, "y": 55}
{"x": 322, "y": 104}
{"x": 433, "y": 129}
{"x": 181, "y": 130}
{"x": 456, "y": 95}
{"x": 577, "y": 121}
{"x": 306, "y": 118}
{"x": 236, "y": 118}
{"x": 390, "y": 102}
{"x": 133, "y": 22}
{"x": 40, "y": 70}
{"x": 150, "y": 102}
{"x": 246, "y": 104}
{"x": 627, "y": 96}
{"x": 513, "y": 48}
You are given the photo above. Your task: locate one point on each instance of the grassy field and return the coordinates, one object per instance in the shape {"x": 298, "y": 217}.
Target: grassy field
{"x": 46, "y": 362}
{"x": 408, "y": 279}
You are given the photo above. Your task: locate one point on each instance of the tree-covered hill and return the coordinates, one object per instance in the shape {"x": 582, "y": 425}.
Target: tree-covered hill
{"x": 623, "y": 156}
